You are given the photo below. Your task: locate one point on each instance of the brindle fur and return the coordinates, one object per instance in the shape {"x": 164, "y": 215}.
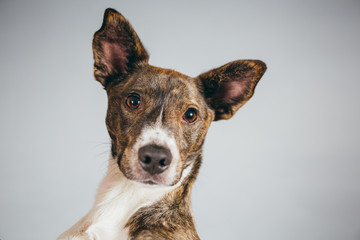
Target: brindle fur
{"x": 121, "y": 66}
{"x": 165, "y": 91}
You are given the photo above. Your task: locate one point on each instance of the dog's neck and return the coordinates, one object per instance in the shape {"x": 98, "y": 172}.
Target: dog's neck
{"x": 121, "y": 203}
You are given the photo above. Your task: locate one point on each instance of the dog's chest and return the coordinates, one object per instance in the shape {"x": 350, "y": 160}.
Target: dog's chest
{"x": 117, "y": 205}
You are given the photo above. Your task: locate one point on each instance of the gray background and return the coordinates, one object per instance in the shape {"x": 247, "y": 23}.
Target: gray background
{"x": 285, "y": 167}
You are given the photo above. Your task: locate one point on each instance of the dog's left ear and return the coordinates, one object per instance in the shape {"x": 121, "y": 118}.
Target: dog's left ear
{"x": 229, "y": 87}
{"x": 117, "y": 48}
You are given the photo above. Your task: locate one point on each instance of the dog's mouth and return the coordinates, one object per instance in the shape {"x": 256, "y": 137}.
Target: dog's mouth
{"x": 156, "y": 180}
{"x": 149, "y": 182}
{"x": 133, "y": 171}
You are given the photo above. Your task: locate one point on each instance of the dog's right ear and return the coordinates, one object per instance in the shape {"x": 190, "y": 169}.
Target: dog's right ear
{"x": 117, "y": 48}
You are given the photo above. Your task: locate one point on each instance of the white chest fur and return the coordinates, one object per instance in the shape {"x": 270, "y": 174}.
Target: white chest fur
{"x": 117, "y": 200}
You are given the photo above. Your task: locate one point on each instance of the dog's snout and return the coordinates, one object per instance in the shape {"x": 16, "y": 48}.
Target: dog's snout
{"x": 154, "y": 159}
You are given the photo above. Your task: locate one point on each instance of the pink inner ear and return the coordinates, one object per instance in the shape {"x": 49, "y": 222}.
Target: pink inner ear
{"x": 232, "y": 89}
{"x": 115, "y": 57}
{"x": 230, "y": 92}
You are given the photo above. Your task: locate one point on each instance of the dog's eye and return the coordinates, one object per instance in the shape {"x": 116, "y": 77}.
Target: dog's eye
{"x": 133, "y": 101}
{"x": 190, "y": 115}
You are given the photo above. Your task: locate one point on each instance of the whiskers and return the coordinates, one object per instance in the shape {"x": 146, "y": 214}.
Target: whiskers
{"x": 102, "y": 152}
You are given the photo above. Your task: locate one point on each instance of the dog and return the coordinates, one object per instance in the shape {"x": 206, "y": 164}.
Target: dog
{"x": 157, "y": 120}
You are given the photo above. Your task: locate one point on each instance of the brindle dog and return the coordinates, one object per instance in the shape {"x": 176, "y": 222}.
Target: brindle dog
{"x": 157, "y": 120}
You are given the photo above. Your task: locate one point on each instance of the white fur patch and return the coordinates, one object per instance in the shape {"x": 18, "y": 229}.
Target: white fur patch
{"x": 122, "y": 200}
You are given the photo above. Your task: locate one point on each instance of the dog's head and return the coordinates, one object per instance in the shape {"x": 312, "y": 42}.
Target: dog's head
{"x": 158, "y": 118}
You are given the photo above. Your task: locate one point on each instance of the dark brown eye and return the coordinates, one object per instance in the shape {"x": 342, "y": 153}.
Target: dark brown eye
{"x": 190, "y": 115}
{"x": 133, "y": 101}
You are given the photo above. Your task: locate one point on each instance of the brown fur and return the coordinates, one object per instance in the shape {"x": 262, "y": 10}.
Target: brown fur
{"x": 121, "y": 66}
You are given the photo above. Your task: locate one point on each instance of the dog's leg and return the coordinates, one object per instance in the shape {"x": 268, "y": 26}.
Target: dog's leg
{"x": 78, "y": 231}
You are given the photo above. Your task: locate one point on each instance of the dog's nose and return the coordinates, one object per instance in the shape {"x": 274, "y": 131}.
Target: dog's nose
{"x": 154, "y": 159}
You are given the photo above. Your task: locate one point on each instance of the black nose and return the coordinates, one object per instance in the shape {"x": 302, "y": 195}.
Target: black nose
{"x": 154, "y": 159}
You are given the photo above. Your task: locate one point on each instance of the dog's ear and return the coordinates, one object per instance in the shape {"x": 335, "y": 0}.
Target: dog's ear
{"x": 229, "y": 87}
{"x": 117, "y": 48}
